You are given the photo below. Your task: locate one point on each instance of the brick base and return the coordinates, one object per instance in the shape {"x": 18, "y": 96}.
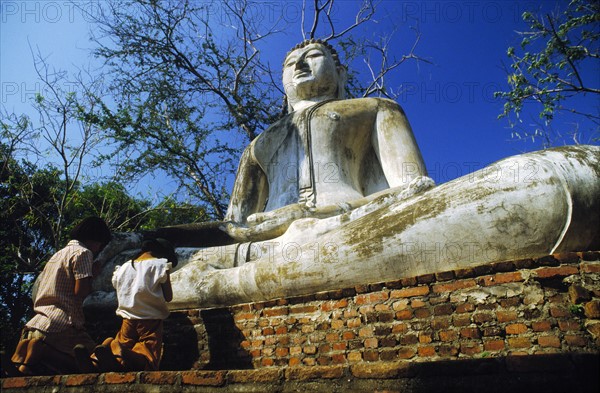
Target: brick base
{"x": 535, "y": 373}
{"x": 533, "y": 322}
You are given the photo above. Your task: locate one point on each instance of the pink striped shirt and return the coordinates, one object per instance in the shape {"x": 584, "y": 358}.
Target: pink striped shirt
{"x": 56, "y": 306}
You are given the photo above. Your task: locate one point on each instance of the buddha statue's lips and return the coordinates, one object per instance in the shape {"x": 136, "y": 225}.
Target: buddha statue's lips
{"x": 302, "y": 73}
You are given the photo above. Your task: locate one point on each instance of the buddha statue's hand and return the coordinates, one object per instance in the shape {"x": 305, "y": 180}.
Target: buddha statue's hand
{"x": 267, "y": 225}
{"x": 284, "y": 216}
{"x": 261, "y": 226}
{"x": 279, "y": 216}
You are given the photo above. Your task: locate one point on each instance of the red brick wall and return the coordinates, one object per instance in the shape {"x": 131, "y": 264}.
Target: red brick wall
{"x": 484, "y": 318}
{"x": 542, "y": 306}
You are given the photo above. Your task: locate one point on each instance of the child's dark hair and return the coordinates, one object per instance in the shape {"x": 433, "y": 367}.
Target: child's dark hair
{"x": 160, "y": 248}
{"x": 91, "y": 228}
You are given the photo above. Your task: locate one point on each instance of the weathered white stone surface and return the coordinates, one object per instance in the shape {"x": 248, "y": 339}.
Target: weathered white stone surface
{"x": 521, "y": 207}
{"x": 327, "y": 156}
{"x": 336, "y": 194}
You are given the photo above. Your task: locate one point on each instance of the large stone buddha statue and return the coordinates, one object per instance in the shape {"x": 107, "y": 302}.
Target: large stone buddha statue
{"x": 335, "y": 194}
{"x": 326, "y": 156}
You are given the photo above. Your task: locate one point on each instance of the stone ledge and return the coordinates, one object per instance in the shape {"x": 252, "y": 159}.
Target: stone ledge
{"x": 548, "y": 373}
{"x": 549, "y": 266}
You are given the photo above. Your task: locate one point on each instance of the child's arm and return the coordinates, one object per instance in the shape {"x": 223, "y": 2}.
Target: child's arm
{"x": 83, "y": 287}
{"x": 166, "y": 288}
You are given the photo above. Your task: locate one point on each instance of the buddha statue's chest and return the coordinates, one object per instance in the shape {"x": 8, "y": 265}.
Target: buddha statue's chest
{"x": 336, "y": 129}
{"x": 329, "y": 133}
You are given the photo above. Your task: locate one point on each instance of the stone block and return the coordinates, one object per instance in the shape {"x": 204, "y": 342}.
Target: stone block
{"x": 516, "y": 328}
{"x": 410, "y": 292}
{"x": 455, "y": 285}
{"x": 81, "y": 379}
{"x": 578, "y": 294}
{"x": 382, "y": 370}
{"x": 315, "y": 372}
{"x": 549, "y": 341}
{"x": 592, "y": 309}
{"x": 426, "y": 351}
{"x": 119, "y": 378}
{"x": 558, "y": 271}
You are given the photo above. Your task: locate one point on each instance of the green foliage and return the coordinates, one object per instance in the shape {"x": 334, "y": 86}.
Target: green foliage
{"x": 553, "y": 63}
{"x": 112, "y": 202}
{"x": 28, "y": 233}
{"x": 26, "y": 239}
{"x": 577, "y": 310}
{"x": 171, "y": 212}
{"x": 181, "y": 91}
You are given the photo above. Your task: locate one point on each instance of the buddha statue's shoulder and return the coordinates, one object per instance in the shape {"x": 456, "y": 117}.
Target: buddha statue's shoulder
{"x": 277, "y": 134}
{"x": 366, "y": 104}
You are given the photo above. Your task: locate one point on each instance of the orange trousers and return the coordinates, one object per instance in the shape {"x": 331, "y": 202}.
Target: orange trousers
{"x": 143, "y": 336}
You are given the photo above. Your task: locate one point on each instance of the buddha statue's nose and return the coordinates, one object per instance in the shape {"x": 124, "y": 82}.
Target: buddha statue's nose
{"x": 301, "y": 62}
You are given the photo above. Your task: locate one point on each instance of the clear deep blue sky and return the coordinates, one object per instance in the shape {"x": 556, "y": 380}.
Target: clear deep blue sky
{"x": 449, "y": 103}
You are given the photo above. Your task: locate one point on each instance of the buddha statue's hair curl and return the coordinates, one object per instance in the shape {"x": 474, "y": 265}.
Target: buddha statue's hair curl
{"x": 326, "y": 44}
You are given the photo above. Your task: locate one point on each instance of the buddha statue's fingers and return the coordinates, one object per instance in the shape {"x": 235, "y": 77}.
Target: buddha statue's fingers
{"x": 287, "y": 213}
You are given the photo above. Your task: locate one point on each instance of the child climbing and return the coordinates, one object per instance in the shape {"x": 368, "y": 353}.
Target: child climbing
{"x": 143, "y": 289}
{"x": 51, "y": 339}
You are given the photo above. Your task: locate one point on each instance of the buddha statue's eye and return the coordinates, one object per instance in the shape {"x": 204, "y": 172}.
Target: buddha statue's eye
{"x": 313, "y": 53}
{"x": 290, "y": 62}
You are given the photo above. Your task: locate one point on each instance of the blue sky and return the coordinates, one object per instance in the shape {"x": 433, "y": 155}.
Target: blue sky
{"x": 449, "y": 103}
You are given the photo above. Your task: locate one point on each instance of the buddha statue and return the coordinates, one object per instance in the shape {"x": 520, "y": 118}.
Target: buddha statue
{"x": 336, "y": 194}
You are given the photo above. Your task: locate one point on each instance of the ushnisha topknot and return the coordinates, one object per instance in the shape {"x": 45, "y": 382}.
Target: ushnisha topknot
{"x": 327, "y": 45}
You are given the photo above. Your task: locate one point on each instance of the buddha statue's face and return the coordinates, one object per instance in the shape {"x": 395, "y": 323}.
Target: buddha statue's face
{"x": 310, "y": 72}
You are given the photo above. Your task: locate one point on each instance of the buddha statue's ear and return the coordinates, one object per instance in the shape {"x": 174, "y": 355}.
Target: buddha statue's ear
{"x": 342, "y": 79}
{"x": 285, "y": 107}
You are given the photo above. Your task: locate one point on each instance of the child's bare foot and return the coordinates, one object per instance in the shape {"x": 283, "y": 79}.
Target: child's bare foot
{"x": 106, "y": 359}
{"x": 83, "y": 359}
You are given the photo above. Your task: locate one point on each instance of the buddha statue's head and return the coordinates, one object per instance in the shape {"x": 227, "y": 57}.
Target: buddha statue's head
{"x": 312, "y": 72}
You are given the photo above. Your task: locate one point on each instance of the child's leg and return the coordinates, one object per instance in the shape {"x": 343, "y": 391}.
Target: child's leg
{"x": 149, "y": 344}
{"x": 106, "y": 359}
{"x": 134, "y": 360}
{"x": 122, "y": 346}
{"x": 20, "y": 351}
{"x": 34, "y": 352}
{"x": 84, "y": 359}
{"x": 105, "y": 343}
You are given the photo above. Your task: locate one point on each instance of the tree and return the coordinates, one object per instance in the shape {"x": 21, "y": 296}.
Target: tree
{"x": 193, "y": 83}
{"x": 557, "y": 63}
{"x": 42, "y": 200}
{"x": 124, "y": 213}
{"x": 25, "y": 237}
{"x": 28, "y": 196}
{"x": 61, "y": 138}
{"x": 172, "y": 212}
{"x": 172, "y": 73}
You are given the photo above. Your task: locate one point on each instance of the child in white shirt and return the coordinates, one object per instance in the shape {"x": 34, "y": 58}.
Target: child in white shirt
{"x": 143, "y": 288}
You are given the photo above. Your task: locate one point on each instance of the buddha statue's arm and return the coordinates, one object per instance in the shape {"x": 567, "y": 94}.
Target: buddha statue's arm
{"x": 250, "y": 190}
{"x": 271, "y": 224}
{"x": 395, "y": 145}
